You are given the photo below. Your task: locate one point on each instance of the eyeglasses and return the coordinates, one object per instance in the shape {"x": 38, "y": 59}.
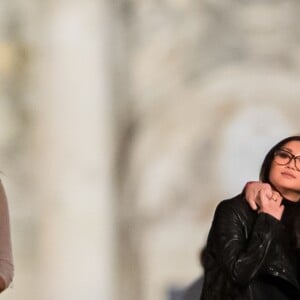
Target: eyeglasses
{"x": 283, "y": 157}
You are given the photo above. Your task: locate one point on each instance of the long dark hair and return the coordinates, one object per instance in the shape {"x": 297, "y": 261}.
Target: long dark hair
{"x": 264, "y": 176}
{"x": 264, "y": 173}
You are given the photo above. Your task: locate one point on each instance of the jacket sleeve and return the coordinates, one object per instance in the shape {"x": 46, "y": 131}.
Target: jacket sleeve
{"x": 239, "y": 253}
{"x": 6, "y": 259}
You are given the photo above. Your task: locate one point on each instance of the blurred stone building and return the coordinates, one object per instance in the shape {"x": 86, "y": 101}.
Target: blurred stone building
{"x": 124, "y": 123}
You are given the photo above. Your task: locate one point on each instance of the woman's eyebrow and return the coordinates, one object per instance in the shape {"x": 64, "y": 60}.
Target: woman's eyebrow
{"x": 289, "y": 150}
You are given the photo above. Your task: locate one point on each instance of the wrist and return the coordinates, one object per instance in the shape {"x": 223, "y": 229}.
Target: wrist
{"x": 277, "y": 216}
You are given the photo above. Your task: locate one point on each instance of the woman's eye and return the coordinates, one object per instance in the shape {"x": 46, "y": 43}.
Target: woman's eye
{"x": 283, "y": 155}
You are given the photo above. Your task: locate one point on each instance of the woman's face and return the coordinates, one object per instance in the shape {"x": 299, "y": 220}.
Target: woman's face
{"x": 286, "y": 178}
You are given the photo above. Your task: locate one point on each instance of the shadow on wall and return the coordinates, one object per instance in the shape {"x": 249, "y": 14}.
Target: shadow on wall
{"x": 193, "y": 290}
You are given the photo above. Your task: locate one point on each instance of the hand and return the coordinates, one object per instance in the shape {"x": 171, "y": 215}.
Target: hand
{"x": 256, "y": 189}
{"x": 271, "y": 206}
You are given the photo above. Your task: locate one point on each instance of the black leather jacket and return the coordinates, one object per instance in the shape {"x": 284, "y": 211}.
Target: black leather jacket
{"x": 247, "y": 256}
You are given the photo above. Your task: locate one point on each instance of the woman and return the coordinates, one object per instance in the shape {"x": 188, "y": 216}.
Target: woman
{"x": 254, "y": 254}
{"x": 6, "y": 260}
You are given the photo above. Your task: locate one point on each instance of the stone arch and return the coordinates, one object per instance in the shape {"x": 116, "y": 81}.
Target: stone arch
{"x": 255, "y": 109}
{"x": 175, "y": 170}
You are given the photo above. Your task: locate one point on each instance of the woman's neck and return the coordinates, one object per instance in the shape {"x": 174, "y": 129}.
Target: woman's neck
{"x": 290, "y": 195}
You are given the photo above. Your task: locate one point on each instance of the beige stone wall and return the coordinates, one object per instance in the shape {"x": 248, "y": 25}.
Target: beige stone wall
{"x": 123, "y": 123}
{"x": 212, "y": 86}
{"x": 58, "y": 149}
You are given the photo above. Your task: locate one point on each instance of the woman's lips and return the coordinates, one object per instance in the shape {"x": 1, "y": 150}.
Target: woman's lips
{"x": 288, "y": 175}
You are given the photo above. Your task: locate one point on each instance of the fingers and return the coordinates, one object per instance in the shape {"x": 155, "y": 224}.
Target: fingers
{"x": 253, "y": 204}
{"x": 262, "y": 198}
{"x": 252, "y": 190}
{"x": 271, "y": 205}
{"x": 258, "y": 194}
{"x": 276, "y": 197}
{"x": 267, "y": 190}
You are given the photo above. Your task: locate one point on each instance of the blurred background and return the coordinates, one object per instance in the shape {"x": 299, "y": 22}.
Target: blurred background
{"x": 124, "y": 123}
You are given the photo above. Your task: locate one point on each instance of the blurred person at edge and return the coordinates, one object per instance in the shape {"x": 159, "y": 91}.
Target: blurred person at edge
{"x": 6, "y": 259}
{"x": 253, "y": 246}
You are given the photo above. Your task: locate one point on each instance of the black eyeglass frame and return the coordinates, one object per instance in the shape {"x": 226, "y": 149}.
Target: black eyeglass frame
{"x": 290, "y": 155}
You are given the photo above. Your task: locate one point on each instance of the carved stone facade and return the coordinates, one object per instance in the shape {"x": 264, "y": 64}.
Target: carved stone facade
{"x": 211, "y": 86}
{"x": 124, "y": 123}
